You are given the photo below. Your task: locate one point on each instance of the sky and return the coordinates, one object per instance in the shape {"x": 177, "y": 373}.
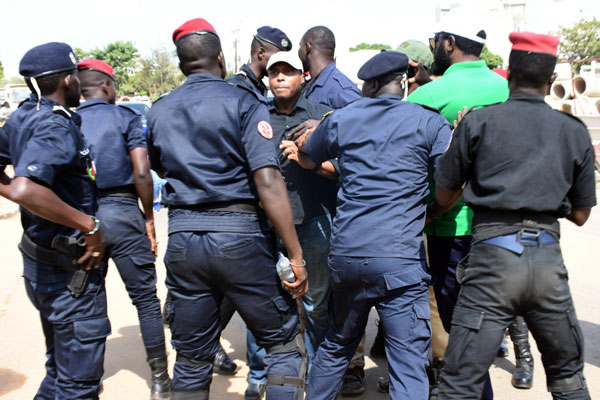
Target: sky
{"x": 149, "y": 24}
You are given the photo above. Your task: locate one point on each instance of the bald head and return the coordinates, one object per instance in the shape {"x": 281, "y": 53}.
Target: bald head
{"x": 321, "y": 38}
{"x": 201, "y": 53}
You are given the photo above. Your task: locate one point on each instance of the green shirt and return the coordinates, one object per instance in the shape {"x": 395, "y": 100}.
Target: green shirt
{"x": 470, "y": 84}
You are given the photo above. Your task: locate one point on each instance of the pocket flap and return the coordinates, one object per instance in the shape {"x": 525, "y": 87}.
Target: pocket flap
{"x": 422, "y": 310}
{"x": 467, "y": 318}
{"x": 282, "y": 304}
{"x": 404, "y": 278}
{"x": 144, "y": 258}
{"x": 88, "y": 330}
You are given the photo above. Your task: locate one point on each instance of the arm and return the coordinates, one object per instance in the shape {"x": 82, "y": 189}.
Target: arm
{"x": 44, "y": 202}
{"x": 275, "y": 201}
{"x": 145, "y": 189}
{"x": 5, "y": 185}
{"x": 444, "y": 201}
{"x": 579, "y": 216}
{"x": 291, "y": 151}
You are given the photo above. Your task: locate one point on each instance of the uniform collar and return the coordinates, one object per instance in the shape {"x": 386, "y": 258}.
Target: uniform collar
{"x": 391, "y": 96}
{"x": 323, "y": 76}
{"x": 534, "y": 98}
{"x": 202, "y": 77}
{"x": 254, "y": 79}
{"x": 465, "y": 65}
{"x": 302, "y": 104}
{"x": 92, "y": 102}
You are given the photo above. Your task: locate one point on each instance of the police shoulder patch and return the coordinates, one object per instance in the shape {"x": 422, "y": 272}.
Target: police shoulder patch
{"x": 265, "y": 130}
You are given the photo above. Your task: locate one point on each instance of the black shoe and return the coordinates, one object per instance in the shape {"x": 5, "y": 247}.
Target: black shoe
{"x": 161, "y": 383}
{"x": 255, "y": 391}
{"x": 383, "y": 385}
{"x": 167, "y": 310}
{"x": 523, "y": 375}
{"x": 502, "y": 351}
{"x": 378, "y": 347}
{"x": 354, "y": 382}
{"x": 223, "y": 364}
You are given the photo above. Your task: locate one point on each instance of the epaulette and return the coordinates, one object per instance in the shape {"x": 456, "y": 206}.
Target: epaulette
{"x": 574, "y": 117}
{"x": 60, "y": 110}
{"x": 132, "y": 110}
{"x": 258, "y": 96}
{"x": 435, "y": 110}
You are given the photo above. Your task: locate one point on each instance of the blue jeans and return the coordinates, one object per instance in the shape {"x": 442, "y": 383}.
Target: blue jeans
{"x": 314, "y": 239}
{"x": 398, "y": 289}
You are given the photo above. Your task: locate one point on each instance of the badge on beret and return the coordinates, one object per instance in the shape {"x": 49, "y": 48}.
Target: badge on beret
{"x": 284, "y": 43}
{"x": 265, "y": 130}
{"x": 72, "y": 57}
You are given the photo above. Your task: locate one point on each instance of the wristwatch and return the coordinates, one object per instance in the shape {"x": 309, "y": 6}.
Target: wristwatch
{"x": 96, "y": 228}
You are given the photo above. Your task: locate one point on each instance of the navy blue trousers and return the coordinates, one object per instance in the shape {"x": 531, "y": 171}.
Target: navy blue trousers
{"x": 124, "y": 229}
{"x": 202, "y": 268}
{"x": 398, "y": 289}
{"x": 445, "y": 252}
{"x": 75, "y": 330}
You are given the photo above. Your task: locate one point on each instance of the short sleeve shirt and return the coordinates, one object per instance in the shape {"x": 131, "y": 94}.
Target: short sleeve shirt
{"x": 207, "y": 137}
{"x": 385, "y": 147}
{"x": 521, "y": 156}
{"x": 469, "y": 84}
{"x": 331, "y": 88}
{"x": 310, "y": 194}
{"x": 111, "y": 132}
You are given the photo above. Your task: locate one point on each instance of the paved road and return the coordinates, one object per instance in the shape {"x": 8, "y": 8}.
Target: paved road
{"x": 127, "y": 376}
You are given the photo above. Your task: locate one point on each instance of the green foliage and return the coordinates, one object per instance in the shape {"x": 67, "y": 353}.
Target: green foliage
{"x": 370, "y": 46}
{"x": 158, "y": 74}
{"x": 491, "y": 60}
{"x": 122, "y": 56}
{"x": 1, "y": 71}
{"x": 580, "y": 41}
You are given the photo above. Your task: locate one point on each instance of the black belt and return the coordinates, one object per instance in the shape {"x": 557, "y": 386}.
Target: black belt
{"x": 120, "y": 191}
{"x": 240, "y": 206}
{"x": 46, "y": 256}
{"x": 527, "y": 219}
{"x": 516, "y": 242}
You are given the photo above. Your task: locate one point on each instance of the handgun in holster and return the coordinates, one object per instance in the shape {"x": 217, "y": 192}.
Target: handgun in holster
{"x": 77, "y": 275}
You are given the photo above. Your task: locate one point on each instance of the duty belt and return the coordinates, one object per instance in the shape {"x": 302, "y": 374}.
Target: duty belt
{"x": 240, "y": 206}
{"x": 120, "y": 191}
{"x": 516, "y": 242}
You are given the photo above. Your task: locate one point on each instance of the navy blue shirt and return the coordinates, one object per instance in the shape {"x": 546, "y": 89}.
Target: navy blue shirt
{"x": 332, "y": 88}
{"x": 385, "y": 148}
{"x": 111, "y": 132}
{"x": 310, "y": 194}
{"x": 48, "y": 147}
{"x": 246, "y": 78}
{"x": 207, "y": 137}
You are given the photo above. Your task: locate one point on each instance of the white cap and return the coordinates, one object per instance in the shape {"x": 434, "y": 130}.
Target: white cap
{"x": 461, "y": 24}
{"x": 287, "y": 57}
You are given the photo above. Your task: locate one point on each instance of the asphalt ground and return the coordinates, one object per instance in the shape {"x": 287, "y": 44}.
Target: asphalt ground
{"x": 127, "y": 375}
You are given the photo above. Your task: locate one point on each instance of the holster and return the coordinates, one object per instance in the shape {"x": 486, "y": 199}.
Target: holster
{"x": 65, "y": 252}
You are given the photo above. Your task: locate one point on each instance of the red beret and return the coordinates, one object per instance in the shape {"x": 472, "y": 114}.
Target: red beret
{"x": 502, "y": 72}
{"x": 534, "y": 42}
{"x": 196, "y": 25}
{"x": 96, "y": 65}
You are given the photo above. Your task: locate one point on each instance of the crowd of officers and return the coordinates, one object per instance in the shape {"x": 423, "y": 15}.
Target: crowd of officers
{"x": 343, "y": 183}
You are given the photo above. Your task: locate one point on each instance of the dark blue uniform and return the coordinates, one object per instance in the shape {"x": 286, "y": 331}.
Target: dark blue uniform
{"x": 246, "y": 78}
{"x": 332, "y": 88}
{"x": 112, "y": 132}
{"x": 385, "y": 147}
{"x": 207, "y": 137}
{"x": 47, "y": 147}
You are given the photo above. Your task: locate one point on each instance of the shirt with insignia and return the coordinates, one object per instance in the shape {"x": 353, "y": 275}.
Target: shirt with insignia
{"x": 385, "y": 147}
{"x": 205, "y": 138}
{"x": 247, "y": 79}
{"x": 332, "y": 88}
{"x": 521, "y": 156}
{"x": 310, "y": 194}
{"x": 47, "y": 147}
{"x": 470, "y": 84}
{"x": 111, "y": 132}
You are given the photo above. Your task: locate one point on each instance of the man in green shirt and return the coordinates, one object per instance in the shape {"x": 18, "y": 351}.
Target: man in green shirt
{"x": 465, "y": 81}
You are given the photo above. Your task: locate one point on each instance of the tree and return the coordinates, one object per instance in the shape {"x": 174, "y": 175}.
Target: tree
{"x": 370, "y": 46}
{"x": 491, "y": 60}
{"x": 580, "y": 41}
{"x": 158, "y": 75}
{"x": 122, "y": 56}
{"x": 1, "y": 71}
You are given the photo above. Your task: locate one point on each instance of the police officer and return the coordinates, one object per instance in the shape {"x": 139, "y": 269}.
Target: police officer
{"x": 385, "y": 147}
{"x": 54, "y": 185}
{"x": 213, "y": 143}
{"x": 118, "y": 145}
{"x": 266, "y": 42}
{"x": 517, "y": 196}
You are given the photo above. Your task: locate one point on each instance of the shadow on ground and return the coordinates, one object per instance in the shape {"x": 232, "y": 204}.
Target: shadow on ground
{"x": 126, "y": 352}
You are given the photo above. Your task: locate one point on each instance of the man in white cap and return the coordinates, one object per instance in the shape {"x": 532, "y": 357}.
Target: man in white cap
{"x": 465, "y": 81}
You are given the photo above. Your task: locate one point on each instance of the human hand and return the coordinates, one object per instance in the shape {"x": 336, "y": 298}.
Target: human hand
{"x": 151, "y": 232}
{"x": 299, "y": 287}
{"x": 459, "y": 116}
{"x": 299, "y": 130}
{"x": 94, "y": 250}
{"x": 291, "y": 152}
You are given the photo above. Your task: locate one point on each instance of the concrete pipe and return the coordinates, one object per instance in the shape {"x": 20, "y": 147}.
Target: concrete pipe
{"x": 587, "y": 85}
{"x": 596, "y": 108}
{"x": 567, "y": 106}
{"x": 561, "y": 90}
{"x": 563, "y": 72}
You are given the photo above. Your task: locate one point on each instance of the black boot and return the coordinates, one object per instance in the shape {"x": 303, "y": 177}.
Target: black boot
{"x": 434, "y": 373}
{"x": 523, "y": 376}
{"x": 161, "y": 383}
{"x": 223, "y": 364}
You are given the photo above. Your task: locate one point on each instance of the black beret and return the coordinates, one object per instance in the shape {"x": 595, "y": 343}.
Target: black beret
{"x": 274, "y": 36}
{"x": 47, "y": 59}
{"x": 384, "y": 63}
